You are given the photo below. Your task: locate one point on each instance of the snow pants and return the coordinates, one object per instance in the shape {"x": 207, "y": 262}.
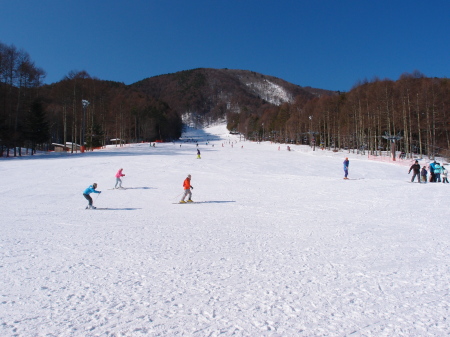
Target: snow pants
{"x": 418, "y": 177}
{"x": 118, "y": 181}
{"x": 88, "y": 197}
{"x": 187, "y": 193}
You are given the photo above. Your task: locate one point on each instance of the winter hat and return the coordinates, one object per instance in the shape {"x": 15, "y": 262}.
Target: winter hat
{"x": 94, "y": 185}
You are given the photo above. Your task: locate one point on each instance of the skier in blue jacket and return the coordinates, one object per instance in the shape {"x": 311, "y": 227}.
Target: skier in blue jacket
{"x": 346, "y": 164}
{"x": 432, "y": 176}
{"x": 89, "y": 190}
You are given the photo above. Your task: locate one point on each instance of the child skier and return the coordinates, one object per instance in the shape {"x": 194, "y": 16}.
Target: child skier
{"x": 187, "y": 189}
{"x": 424, "y": 174}
{"x": 119, "y": 174}
{"x": 198, "y": 154}
{"x": 444, "y": 173}
{"x": 89, "y": 190}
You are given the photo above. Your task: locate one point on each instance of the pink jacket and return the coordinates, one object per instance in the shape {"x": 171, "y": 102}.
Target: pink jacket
{"x": 119, "y": 174}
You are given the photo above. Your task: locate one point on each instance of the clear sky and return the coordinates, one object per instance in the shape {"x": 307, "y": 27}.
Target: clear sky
{"x": 326, "y": 44}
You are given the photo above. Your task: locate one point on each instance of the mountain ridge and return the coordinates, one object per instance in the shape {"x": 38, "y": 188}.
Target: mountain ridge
{"x": 211, "y": 93}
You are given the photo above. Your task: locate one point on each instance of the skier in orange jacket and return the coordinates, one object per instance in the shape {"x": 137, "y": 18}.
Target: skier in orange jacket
{"x": 187, "y": 189}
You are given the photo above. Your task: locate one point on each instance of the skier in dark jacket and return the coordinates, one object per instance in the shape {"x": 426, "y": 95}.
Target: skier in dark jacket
{"x": 424, "y": 174}
{"x": 416, "y": 170}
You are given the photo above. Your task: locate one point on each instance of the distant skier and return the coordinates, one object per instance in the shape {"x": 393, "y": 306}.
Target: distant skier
{"x": 89, "y": 190}
{"x": 346, "y": 164}
{"x": 187, "y": 189}
{"x": 416, "y": 170}
{"x": 444, "y": 173}
{"x": 437, "y": 173}
{"x": 424, "y": 174}
{"x": 432, "y": 176}
{"x": 119, "y": 175}
{"x": 198, "y": 154}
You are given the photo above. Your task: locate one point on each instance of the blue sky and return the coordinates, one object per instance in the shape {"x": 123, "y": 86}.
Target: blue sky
{"x": 324, "y": 44}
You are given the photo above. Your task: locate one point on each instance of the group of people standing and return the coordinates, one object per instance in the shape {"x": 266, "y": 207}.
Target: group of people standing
{"x": 436, "y": 172}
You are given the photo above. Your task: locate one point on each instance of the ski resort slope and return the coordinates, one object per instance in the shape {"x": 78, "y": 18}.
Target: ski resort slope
{"x": 276, "y": 244}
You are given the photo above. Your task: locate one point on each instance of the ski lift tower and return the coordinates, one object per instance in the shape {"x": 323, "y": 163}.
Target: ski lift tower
{"x": 83, "y": 126}
{"x": 392, "y": 138}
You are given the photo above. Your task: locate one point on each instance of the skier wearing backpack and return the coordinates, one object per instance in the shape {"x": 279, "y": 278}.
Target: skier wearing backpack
{"x": 187, "y": 190}
{"x": 89, "y": 190}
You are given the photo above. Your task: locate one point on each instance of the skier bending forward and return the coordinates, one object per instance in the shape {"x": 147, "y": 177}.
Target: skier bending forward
{"x": 89, "y": 190}
{"x": 187, "y": 189}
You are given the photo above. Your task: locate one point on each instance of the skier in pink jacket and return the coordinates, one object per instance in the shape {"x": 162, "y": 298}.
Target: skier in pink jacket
{"x": 119, "y": 175}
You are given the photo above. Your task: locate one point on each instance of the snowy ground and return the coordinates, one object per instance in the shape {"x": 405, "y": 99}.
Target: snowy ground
{"x": 280, "y": 244}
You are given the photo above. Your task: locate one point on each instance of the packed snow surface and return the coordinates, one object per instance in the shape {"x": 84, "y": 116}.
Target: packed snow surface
{"x": 276, "y": 244}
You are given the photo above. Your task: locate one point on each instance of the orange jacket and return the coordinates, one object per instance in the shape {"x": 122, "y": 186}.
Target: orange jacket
{"x": 187, "y": 183}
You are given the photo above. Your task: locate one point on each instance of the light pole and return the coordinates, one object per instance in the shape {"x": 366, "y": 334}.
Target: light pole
{"x": 83, "y": 126}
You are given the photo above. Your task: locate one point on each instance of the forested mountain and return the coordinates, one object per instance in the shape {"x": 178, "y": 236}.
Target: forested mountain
{"x": 413, "y": 108}
{"x": 204, "y": 95}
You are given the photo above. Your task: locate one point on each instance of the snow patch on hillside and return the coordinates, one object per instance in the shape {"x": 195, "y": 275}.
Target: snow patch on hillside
{"x": 271, "y": 92}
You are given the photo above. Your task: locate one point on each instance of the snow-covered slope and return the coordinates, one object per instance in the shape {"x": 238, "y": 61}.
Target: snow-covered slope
{"x": 271, "y": 92}
{"x": 278, "y": 244}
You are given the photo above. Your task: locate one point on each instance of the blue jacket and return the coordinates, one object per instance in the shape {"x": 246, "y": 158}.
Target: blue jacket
{"x": 437, "y": 168}
{"x": 90, "y": 190}
{"x": 432, "y": 165}
{"x": 346, "y": 163}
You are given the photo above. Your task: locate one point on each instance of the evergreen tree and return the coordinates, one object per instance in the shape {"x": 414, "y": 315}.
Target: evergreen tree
{"x": 37, "y": 128}
{"x": 96, "y": 138}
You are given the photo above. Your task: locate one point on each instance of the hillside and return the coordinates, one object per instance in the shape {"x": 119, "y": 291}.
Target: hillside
{"x": 211, "y": 93}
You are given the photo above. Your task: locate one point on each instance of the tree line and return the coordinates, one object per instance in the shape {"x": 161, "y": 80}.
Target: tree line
{"x": 33, "y": 115}
{"x": 412, "y": 111}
